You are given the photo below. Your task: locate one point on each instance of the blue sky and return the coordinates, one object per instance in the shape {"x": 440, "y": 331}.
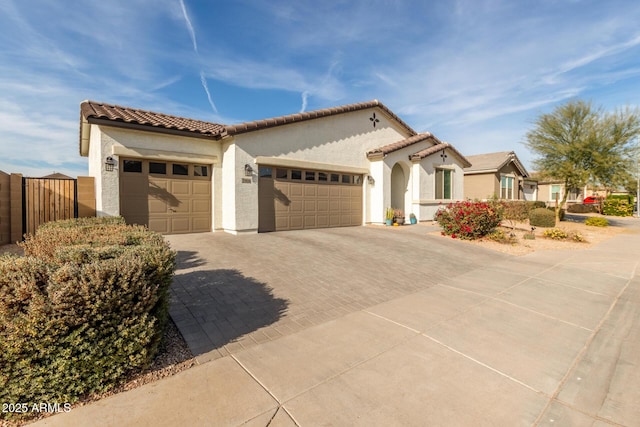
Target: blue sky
{"x": 474, "y": 73}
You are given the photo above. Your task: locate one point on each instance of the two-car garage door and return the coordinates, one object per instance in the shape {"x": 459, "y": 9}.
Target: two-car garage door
{"x": 168, "y": 197}
{"x": 294, "y": 199}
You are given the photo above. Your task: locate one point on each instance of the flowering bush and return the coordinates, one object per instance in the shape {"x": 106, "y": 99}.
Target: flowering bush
{"x": 468, "y": 220}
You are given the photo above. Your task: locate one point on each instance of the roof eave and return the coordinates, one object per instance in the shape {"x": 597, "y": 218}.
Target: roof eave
{"x": 156, "y": 129}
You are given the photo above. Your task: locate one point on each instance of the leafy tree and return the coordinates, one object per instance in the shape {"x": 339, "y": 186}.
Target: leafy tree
{"x": 578, "y": 144}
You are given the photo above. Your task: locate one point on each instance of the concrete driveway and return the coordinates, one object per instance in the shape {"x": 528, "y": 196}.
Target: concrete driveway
{"x": 383, "y": 326}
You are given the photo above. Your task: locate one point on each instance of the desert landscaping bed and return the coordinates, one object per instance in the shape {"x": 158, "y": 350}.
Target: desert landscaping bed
{"x": 521, "y": 246}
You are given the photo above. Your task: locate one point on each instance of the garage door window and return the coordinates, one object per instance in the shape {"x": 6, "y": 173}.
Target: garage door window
{"x": 335, "y": 177}
{"x": 158, "y": 168}
{"x": 296, "y": 175}
{"x": 179, "y": 169}
{"x": 346, "y": 179}
{"x": 322, "y": 177}
{"x": 281, "y": 173}
{"x": 309, "y": 176}
{"x": 132, "y": 166}
{"x": 265, "y": 172}
{"x": 200, "y": 170}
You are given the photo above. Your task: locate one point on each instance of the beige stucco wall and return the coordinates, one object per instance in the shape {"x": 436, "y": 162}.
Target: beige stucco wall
{"x": 481, "y": 186}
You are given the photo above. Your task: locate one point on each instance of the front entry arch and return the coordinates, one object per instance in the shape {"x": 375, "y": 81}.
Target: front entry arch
{"x": 399, "y": 184}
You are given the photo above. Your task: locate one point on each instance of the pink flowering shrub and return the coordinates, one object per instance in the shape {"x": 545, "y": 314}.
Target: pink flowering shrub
{"x": 468, "y": 220}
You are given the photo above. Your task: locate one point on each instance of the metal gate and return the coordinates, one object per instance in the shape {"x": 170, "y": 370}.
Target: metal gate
{"x": 48, "y": 199}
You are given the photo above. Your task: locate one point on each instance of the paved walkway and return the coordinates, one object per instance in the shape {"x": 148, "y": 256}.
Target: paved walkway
{"x": 423, "y": 331}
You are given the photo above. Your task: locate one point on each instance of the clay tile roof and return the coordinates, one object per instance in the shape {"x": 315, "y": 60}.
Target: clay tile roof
{"x": 96, "y": 110}
{"x": 299, "y": 117}
{"x": 492, "y": 162}
{"x": 394, "y": 146}
{"x": 441, "y": 146}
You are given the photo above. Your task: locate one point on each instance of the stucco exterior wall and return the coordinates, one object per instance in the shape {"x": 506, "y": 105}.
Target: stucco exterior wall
{"x": 338, "y": 140}
{"x": 481, "y": 186}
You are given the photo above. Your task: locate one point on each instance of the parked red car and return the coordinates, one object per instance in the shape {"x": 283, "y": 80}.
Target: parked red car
{"x": 591, "y": 200}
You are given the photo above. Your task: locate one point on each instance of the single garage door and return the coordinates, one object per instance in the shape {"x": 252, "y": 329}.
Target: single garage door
{"x": 294, "y": 199}
{"x": 168, "y": 197}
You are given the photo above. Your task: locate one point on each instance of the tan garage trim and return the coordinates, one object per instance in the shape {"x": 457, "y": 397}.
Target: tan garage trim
{"x": 151, "y": 154}
{"x": 304, "y": 164}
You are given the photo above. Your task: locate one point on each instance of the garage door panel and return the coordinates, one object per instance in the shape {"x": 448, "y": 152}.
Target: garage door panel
{"x": 200, "y": 206}
{"x": 323, "y": 191}
{"x": 310, "y": 190}
{"x": 157, "y": 207}
{"x": 323, "y": 206}
{"x": 296, "y": 222}
{"x": 289, "y": 204}
{"x": 310, "y": 221}
{"x": 201, "y": 188}
{"x": 161, "y": 225}
{"x": 296, "y": 207}
{"x": 200, "y": 224}
{"x": 180, "y": 224}
{"x": 296, "y": 190}
{"x": 164, "y": 202}
{"x": 322, "y": 220}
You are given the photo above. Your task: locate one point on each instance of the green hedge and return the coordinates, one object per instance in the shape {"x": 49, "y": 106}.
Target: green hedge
{"x": 618, "y": 206}
{"x": 542, "y": 217}
{"x": 84, "y": 308}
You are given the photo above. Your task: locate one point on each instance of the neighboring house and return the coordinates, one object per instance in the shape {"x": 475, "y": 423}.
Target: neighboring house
{"x": 338, "y": 166}
{"x": 500, "y": 175}
{"x": 550, "y": 190}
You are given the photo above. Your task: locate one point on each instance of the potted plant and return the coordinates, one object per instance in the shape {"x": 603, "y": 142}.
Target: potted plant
{"x": 389, "y": 216}
{"x": 398, "y": 216}
{"x": 413, "y": 219}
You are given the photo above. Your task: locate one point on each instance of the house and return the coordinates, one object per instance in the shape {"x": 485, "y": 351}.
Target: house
{"x": 500, "y": 175}
{"x": 550, "y": 190}
{"x": 333, "y": 167}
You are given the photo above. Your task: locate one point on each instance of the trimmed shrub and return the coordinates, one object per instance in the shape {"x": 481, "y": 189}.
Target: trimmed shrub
{"x": 537, "y": 204}
{"x": 515, "y": 211}
{"x": 580, "y": 208}
{"x": 83, "y": 309}
{"x": 596, "y": 221}
{"x": 617, "y": 206}
{"x": 542, "y": 217}
{"x": 468, "y": 220}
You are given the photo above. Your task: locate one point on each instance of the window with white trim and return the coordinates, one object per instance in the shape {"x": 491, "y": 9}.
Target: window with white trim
{"x": 444, "y": 184}
{"x": 506, "y": 187}
{"x": 556, "y": 191}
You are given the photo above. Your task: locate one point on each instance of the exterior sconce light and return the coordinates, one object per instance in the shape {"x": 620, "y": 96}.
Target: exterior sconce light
{"x": 109, "y": 164}
{"x": 248, "y": 170}
{"x": 370, "y": 180}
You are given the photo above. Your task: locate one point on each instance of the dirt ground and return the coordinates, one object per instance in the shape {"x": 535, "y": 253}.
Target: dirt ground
{"x": 573, "y": 224}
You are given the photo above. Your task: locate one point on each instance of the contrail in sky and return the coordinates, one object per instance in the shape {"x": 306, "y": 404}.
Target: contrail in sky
{"x": 192, "y": 32}
{"x": 206, "y": 89}
{"x": 189, "y": 26}
{"x": 305, "y": 95}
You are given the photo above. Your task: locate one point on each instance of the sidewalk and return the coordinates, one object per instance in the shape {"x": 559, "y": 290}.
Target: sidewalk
{"x": 551, "y": 338}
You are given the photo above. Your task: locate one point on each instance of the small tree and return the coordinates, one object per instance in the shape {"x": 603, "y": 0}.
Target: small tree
{"x": 578, "y": 145}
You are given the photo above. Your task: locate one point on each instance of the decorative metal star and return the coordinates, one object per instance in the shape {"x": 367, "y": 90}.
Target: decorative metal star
{"x": 374, "y": 119}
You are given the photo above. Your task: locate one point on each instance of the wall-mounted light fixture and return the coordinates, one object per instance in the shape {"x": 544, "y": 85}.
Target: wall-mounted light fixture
{"x": 370, "y": 180}
{"x": 109, "y": 164}
{"x": 248, "y": 170}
